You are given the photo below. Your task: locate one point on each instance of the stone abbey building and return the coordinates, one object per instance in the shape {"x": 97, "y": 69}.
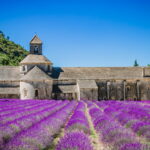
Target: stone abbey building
{"x": 36, "y": 78}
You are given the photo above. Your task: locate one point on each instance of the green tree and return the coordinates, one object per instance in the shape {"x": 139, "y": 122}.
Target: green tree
{"x": 135, "y": 63}
{"x": 10, "y": 53}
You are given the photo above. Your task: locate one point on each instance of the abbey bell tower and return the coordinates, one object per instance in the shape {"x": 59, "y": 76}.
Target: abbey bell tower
{"x": 36, "y": 46}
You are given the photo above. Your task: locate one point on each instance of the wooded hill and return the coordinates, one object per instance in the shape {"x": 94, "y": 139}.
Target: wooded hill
{"x": 10, "y": 53}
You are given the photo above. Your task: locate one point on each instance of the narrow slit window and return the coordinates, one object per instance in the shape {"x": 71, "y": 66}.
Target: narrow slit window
{"x": 23, "y": 68}
{"x": 48, "y": 69}
{"x": 25, "y": 92}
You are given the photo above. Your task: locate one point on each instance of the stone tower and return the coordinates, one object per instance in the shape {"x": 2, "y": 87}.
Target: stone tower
{"x": 35, "y": 71}
{"x": 35, "y": 58}
{"x": 36, "y": 46}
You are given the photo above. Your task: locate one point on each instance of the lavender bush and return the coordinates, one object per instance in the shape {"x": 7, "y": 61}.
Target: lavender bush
{"x": 78, "y": 121}
{"x": 8, "y": 130}
{"x": 111, "y": 132}
{"x": 36, "y": 124}
{"x": 75, "y": 141}
{"x": 40, "y": 135}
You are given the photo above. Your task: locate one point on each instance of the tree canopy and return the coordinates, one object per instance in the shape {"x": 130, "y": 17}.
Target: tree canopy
{"x": 135, "y": 63}
{"x": 10, "y": 53}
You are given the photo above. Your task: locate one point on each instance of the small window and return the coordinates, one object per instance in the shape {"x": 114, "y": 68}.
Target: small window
{"x": 23, "y": 68}
{"x": 48, "y": 68}
{"x": 36, "y": 93}
{"x": 25, "y": 92}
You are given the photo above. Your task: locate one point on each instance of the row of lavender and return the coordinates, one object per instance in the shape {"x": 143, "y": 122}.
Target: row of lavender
{"x": 134, "y": 116}
{"x": 77, "y": 131}
{"x": 34, "y": 125}
{"x": 111, "y": 132}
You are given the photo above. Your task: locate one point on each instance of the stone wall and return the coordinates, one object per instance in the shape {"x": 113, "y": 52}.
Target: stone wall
{"x": 124, "y": 89}
{"x": 9, "y": 89}
{"x": 36, "y": 90}
{"x": 10, "y": 96}
{"x": 107, "y": 90}
{"x": 9, "y": 84}
{"x": 68, "y": 94}
{"x": 127, "y": 89}
{"x": 89, "y": 94}
{"x": 64, "y": 96}
{"x": 144, "y": 90}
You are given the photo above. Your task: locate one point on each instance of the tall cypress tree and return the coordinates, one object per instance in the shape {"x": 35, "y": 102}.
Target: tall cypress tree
{"x": 135, "y": 63}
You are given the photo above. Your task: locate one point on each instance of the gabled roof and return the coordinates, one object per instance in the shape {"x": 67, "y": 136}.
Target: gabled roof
{"x": 68, "y": 88}
{"x": 35, "y": 40}
{"x": 35, "y": 59}
{"x": 9, "y": 73}
{"x": 36, "y": 74}
{"x": 101, "y": 73}
{"x": 87, "y": 84}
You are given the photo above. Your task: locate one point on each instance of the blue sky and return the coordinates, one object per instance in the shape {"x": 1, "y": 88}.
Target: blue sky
{"x": 82, "y": 32}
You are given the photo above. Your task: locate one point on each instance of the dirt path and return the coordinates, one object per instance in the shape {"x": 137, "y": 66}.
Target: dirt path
{"x": 61, "y": 133}
{"x": 97, "y": 144}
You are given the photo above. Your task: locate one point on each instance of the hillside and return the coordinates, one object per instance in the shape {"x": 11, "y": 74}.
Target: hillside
{"x": 10, "y": 53}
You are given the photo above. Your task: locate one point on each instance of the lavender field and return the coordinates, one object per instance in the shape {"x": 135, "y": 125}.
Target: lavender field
{"x": 72, "y": 125}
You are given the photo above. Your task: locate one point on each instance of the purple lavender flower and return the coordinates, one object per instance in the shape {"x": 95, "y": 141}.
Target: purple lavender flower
{"x": 9, "y": 130}
{"x": 75, "y": 141}
{"x": 132, "y": 146}
{"x": 78, "y": 120}
{"x": 111, "y": 132}
{"x": 41, "y": 134}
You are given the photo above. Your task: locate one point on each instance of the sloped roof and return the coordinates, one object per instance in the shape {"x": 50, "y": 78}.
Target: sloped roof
{"x": 9, "y": 73}
{"x": 90, "y": 84}
{"x": 101, "y": 72}
{"x": 68, "y": 88}
{"x": 35, "y": 40}
{"x": 35, "y": 59}
{"x": 36, "y": 74}
{"x": 5, "y": 90}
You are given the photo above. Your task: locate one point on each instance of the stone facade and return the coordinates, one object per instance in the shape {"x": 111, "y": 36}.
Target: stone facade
{"x": 36, "y": 78}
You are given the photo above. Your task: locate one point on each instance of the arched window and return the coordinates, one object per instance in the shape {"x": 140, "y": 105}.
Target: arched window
{"x": 36, "y": 93}
{"x": 25, "y": 92}
{"x": 48, "y": 68}
{"x": 36, "y": 49}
